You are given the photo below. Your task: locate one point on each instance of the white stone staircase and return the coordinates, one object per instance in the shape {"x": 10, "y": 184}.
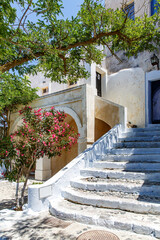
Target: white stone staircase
{"x": 122, "y": 188}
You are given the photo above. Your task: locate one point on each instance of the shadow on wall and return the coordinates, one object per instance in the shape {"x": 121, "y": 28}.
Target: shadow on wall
{"x": 101, "y": 128}
{"x": 57, "y": 163}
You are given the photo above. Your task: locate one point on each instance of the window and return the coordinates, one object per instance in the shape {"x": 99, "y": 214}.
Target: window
{"x": 98, "y": 84}
{"x": 154, "y": 7}
{"x": 45, "y": 90}
{"x": 72, "y": 83}
{"x": 129, "y": 9}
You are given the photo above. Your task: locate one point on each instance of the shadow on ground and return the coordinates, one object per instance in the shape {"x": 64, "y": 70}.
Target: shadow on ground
{"x": 35, "y": 229}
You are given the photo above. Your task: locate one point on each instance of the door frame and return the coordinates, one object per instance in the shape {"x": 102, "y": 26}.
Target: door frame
{"x": 150, "y": 77}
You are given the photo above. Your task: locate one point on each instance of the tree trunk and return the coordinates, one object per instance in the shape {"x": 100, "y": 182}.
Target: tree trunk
{"x": 8, "y": 122}
{"x": 16, "y": 195}
{"x": 25, "y": 183}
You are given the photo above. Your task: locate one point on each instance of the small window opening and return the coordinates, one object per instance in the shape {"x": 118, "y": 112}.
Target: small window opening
{"x": 129, "y": 9}
{"x": 45, "y": 90}
{"x": 72, "y": 83}
{"x": 99, "y": 84}
{"x": 154, "y": 7}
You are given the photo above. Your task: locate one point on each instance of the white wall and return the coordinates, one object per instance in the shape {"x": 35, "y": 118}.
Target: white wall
{"x": 127, "y": 88}
{"x": 41, "y": 82}
{"x": 141, "y": 6}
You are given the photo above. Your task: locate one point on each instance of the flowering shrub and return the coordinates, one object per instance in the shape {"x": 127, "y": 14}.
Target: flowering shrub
{"x": 7, "y": 153}
{"x": 42, "y": 133}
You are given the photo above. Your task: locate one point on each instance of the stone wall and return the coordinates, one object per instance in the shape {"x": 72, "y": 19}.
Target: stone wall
{"x": 143, "y": 59}
{"x": 127, "y": 88}
{"x": 74, "y": 102}
{"x": 141, "y": 6}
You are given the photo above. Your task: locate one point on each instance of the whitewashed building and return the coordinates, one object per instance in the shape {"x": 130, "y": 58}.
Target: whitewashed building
{"x": 114, "y": 93}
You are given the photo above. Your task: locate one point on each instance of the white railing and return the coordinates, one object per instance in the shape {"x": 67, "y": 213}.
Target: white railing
{"x": 38, "y": 196}
{"x": 102, "y": 145}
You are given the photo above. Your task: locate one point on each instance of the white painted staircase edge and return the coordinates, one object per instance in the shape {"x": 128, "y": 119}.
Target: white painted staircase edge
{"x": 38, "y": 196}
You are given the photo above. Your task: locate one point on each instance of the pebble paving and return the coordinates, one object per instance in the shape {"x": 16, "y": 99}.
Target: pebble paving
{"x": 42, "y": 226}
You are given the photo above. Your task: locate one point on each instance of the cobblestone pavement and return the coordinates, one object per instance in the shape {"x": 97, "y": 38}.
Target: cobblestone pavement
{"x": 36, "y": 226}
{"x": 28, "y": 225}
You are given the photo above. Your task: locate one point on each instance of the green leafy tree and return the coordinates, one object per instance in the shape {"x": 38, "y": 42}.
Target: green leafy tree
{"x": 42, "y": 133}
{"x": 61, "y": 46}
{"x": 14, "y": 90}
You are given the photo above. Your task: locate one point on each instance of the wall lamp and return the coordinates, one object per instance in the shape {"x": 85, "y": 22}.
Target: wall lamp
{"x": 155, "y": 61}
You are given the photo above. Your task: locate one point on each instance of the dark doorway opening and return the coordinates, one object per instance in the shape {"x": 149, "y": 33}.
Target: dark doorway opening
{"x": 99, "y": 84}
{"x": 155, "y": 102}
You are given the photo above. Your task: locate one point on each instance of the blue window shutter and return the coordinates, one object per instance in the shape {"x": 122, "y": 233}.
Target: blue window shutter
{"x": 130, "y": 10}
{"x": 154, "y": 7}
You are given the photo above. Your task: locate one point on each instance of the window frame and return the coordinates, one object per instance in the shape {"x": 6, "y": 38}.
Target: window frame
{"x": 130, "y": 6}
{"x": 47, "y": 90}
{"x": 153, "y": 7}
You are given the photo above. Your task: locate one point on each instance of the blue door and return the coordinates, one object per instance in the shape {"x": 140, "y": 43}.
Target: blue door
{"x": 155, "y": 102}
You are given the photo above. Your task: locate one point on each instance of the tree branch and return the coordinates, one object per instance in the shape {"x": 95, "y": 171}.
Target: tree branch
{"x": 9, "y": 65}
{"x": 64, "y": 61}
{"x": 23, "y": 16}
{"x": 112, "y": 52}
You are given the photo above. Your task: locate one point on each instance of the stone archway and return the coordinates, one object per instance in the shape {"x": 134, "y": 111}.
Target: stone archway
{"x": 57, "y": 163}
{"x": 74, "y": 115}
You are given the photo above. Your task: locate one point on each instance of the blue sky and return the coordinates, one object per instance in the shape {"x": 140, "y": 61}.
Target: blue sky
{"x": 71, "y": 7}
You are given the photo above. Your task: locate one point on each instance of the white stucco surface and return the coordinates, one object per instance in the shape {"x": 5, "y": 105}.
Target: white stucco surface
{"x": 127, "y": 88}
{"x": 40, "y": 195}
{"x": 141, "y": 6}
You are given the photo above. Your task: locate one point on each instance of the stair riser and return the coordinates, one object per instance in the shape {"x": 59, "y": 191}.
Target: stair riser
{"x": 140, "y": 134}
{"x": 137, "y": 151}
{"x": 140, "y": 139}
{"x": 132, "y": 158}
{"x": 140, "y": 167}
{"x": 151, "y": 191}
{"x": 127, "y": 206}
{"x": 122, "y": 175}
{"x": 110, "y": 223}
{"x": 137, "y": 145}
{"x": 148, "y": 129}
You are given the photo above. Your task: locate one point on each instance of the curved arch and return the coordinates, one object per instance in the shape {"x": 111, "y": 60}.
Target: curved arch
{"x": 67, "y": 110}
{"x": 74, "y": 115}
{"x": 14, "y": 125}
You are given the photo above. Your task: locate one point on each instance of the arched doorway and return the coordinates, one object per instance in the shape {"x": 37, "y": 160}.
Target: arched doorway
{"x": 101, "y": 128}
{"x": 57, "y": 163}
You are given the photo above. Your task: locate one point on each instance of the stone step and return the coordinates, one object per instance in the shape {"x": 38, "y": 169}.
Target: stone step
{"x": 140, "y": 139}
{"x": 137, "y": 145}
{"x": 147, "y": 129}
{"x": 151, "y": 126}
{"x": 131, "y": 158}
{"x": 110, "y": 218}
{"x": 140, "y": 189}
{"x": 137, "y": 151}
{"x": 127, "y": 166}
{"x": 119, "y": 174}
{"x": 112, "y": 202}
{"x": 116, "y": 180}
{"x": 140, "y": 134}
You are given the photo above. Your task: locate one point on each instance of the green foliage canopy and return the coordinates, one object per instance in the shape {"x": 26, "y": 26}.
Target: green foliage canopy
{"x": 14, "y": 90}
{"x": 62, "y": 46}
